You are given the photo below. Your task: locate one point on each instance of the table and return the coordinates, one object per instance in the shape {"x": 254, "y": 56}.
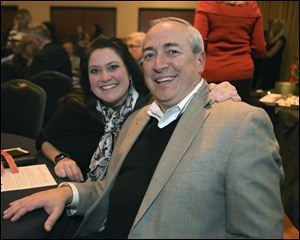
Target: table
{"x": 286, "y": 128}
{"x": 31, "y": 225}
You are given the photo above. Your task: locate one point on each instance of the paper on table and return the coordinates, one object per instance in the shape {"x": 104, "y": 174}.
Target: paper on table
{"x": 28, "y": 177}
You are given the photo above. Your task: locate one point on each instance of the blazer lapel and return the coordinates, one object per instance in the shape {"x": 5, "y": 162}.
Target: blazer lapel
{"x": 187, "y": 128}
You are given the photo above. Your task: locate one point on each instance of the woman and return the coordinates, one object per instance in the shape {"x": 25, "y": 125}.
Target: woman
{"x": 22, "y": 21}
{"x": 271, "y": 62}
{"x": 233, "y": 34}
{"x": 93, "y": 121}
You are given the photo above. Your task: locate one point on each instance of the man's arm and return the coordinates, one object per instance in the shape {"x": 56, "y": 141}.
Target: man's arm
{"x": 53, "y": 201}
{"x": 253, "y": 179}
{"x": 67, "y": 167}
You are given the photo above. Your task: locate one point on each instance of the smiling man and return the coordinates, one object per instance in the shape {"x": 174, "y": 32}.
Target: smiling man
{"x": 181, "y": 167}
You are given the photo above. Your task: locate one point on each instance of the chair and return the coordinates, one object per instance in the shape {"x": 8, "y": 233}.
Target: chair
{"x": 56, "y": 85}
{"x": 22, "y": 108}
{"x": 7, "y": 72}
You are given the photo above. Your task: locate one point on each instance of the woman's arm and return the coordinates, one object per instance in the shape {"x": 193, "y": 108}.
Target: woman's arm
{"x": 66, "y": 167}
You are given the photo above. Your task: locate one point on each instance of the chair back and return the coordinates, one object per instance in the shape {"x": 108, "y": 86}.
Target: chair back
{"x": 56, "y": 85}
{"x": 7, "y": 72}
{"x": 22, "y": 107}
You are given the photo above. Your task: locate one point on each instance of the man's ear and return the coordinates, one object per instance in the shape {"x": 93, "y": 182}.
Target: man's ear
{"x": 201, "y": 58}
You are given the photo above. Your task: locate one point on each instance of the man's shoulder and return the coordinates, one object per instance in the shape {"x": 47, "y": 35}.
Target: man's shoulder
{"x": 237, "y": 109}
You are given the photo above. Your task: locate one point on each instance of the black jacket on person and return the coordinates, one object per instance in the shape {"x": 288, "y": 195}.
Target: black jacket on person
{"x": 51, "y": 57}
{"x": 76, "y": 129}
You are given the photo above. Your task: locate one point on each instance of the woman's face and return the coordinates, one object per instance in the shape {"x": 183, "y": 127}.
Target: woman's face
{"x": 108, "y": 76}
{"x": 21, "y": 21}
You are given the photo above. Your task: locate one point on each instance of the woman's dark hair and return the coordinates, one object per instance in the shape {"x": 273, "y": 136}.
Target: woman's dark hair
{"x": 121, "y": 50}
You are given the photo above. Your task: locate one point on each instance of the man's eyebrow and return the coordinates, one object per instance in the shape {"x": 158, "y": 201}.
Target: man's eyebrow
{"x": 166, "y": 45}
{"x": 148, "y": 49}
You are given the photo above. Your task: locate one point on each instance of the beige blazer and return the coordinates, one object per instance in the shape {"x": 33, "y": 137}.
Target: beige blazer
{"x": 219, "y": 176}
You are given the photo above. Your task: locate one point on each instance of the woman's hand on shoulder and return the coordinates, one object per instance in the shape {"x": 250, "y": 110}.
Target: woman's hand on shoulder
{"x": 222, "y": 92}
{"x": 68, "y": 168}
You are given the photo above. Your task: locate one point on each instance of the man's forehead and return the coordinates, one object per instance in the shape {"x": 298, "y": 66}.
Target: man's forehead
{"x": 166, "y": 28}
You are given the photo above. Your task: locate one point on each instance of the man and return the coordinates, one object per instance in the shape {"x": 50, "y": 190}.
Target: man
{"x": 75, "y": 60}
{"x": 181, "y": 168}
{"x": 135, "y": 42}
{"x": 50, "y": 55}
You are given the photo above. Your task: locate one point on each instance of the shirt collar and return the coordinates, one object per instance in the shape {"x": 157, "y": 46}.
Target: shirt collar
{"x": 165, "y": 118}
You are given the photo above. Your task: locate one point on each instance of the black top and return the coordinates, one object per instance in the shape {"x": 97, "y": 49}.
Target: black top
{"x": 51, "y": 57}
{"x": 76, "y": 130}
{"x": 134, "y": 178}
{"x": 270, "y": 67}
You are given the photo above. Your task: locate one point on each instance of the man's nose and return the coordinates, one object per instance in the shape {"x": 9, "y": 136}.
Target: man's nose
{"x": 160, "y": 63}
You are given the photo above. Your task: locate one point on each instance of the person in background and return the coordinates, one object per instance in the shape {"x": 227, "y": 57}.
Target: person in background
{"x": 23, "y": 58}
{"x": 78, "y": 127}
{"x": 80, "y": 40}
{"x": 135, "y": 42}
{"x": 271, "y": 61}
{"x": 233, "y": 35}
{"x": 96, "y": 31}
{"x": 18, "y": 64}
{"x": 50, "y": 55}
{"x": 75, "y": 60}
{"x": 181, "y": 167}
{"x": 52, "y": 30}
{"x": 258, "y": 59}
{"x": 21, "y": 26}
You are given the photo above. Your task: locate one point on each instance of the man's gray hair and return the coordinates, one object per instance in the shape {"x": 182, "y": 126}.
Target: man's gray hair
{"x": 195, "y": 37}
{"x": 41, "y": 31}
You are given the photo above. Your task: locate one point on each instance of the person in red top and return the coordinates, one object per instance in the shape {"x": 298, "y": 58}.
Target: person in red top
{"x": 233, "y": 35}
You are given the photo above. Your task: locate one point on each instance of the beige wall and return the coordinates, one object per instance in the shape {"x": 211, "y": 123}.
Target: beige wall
{"x": 127, "y": 11}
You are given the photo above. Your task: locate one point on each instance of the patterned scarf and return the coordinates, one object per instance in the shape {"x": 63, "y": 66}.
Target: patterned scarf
{"x": 113, "y": 119}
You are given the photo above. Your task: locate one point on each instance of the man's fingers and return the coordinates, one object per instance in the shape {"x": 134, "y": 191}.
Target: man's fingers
{"x": 51, "y": 220}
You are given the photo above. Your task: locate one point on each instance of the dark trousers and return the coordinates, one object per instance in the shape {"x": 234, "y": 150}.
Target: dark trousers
{"x": 243, "y": 88}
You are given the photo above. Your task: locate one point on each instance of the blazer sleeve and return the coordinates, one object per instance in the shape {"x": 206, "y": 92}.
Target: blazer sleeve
{"x": 254, "y": 176}
{"x": 89, "y": 192}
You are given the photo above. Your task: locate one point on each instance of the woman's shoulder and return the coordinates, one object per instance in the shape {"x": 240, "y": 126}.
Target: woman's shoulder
{"x": 143, "y": 100}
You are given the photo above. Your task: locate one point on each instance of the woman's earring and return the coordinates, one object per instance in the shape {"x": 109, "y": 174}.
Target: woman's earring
{"x": 130, "y": 80}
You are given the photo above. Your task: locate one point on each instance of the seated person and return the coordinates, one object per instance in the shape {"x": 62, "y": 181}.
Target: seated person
{"x": 50, "y": 56}
{"x": 77, "y": 129}
{"x": 181, "y": 167}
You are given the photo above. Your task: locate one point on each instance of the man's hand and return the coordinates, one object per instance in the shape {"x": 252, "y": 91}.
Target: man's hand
{"x": 68, "y": 168}
{"x": 53, "y": 201}
{"x": 222, "y": 92}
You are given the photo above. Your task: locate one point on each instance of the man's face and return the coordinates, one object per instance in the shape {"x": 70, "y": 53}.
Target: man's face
{"x": 21, "y": 21}
{"x": 171, "y": 69}
{"x": 135, "y": 48}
